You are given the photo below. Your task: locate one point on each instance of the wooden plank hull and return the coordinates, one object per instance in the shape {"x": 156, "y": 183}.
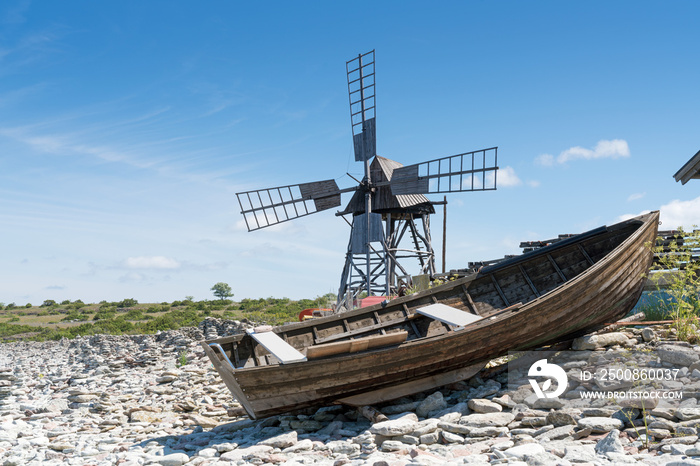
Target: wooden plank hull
{"x": 552, "y": 294}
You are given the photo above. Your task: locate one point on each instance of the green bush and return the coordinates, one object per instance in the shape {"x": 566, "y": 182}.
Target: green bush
{"x": 106, "y": 314}
{"x": 116, "y": 326}
{"x": 128, "y": 302}
{"x": 13, "y": 329}
{"x": 134, "y": 314}
{"x": 75, "y": 315}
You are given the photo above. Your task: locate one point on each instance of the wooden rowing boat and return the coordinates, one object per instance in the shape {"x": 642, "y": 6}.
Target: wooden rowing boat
{"x": 447, "y": 333}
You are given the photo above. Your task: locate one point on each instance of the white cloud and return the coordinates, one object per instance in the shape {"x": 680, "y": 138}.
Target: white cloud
{"x": 508, "y": 178}
{"x": 635, "y": 196}
{"x": 605, "y": 149}
{"x": 151, "y": 262}
{"x": 680, "y": 213}
{"x": 675, "y": 214}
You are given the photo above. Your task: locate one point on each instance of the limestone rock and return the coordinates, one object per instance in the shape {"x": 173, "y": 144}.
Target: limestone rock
{"x": 486, "y": 420}
{"x": 433, "y": 403}
{"x": 678, "y": 355}
{"x": 526, "y": 449}
{"x": 484, "y": 406}
{"x": 281, "y": 441}
{"x": 610, "y": 443}
{"x": 392, "y": 428}
{"x": 591, "y": 342}
{"x": 144, "y": 416}
{"x": 174, "y": 459}
{"x": 600, "y": 424}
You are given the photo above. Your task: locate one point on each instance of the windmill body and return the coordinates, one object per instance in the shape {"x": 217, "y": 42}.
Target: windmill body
{"x": 390, "y": 214}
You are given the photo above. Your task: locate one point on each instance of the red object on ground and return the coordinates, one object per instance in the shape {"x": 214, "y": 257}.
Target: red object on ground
{"x": 313, "y": 313}
{"x": 371, "y": 300}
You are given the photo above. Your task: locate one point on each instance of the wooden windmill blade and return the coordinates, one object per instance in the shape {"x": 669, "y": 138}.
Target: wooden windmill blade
{"x": 361, "y": 90}
{"x": 471, "y": 171}
{"x": 266, "y": 207}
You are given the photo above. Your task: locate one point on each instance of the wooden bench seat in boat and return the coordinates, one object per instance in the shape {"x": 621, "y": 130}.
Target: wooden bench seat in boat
{"x": 448, "y": 314}
{"x": 353, "y": 346}
{"x": 282, "y": 350}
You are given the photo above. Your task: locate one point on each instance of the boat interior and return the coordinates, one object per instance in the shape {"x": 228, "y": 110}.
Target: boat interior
{"x": 490, "y": 293}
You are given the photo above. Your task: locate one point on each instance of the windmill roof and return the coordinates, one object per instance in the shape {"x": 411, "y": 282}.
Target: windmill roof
{"x": 383, "y": 200}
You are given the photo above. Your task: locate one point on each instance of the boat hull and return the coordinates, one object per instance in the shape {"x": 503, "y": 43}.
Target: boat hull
{"x": 603, "y": 290}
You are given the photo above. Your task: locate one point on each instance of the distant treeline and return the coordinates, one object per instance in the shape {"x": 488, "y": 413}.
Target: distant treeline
{"x": 129, "y": 317}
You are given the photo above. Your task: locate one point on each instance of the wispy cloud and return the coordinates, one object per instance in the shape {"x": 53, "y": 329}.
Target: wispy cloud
{"x": 19, "y": 94}
{"x": 28, "y": 50}
{"x": 605, "y": 149}
{"x": 55, "y": 287}
{"x": 635, "y": 197}
{"x": 151, "y": 262}
{"x": 16, "y": 14}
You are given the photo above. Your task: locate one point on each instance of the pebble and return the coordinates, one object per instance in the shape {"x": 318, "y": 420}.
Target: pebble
{"x": 103, "y": 400}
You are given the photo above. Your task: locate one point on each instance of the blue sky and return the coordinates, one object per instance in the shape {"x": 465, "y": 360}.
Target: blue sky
{"x": 126, "y": 128}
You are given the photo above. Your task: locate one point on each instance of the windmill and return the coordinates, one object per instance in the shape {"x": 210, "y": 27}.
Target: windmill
{"x": 390, "y": 214}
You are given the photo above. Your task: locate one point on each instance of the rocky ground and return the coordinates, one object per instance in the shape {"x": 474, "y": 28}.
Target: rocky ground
{"x": 127, "y": 400}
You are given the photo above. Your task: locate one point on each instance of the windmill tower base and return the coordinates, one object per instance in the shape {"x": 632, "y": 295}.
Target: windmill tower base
{"x": 398, "y": 240}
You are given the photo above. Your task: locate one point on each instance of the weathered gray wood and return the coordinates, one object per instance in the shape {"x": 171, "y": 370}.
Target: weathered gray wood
{"x": 325, "y": 194}
{"x": 529, "y": 282}
{"x": 690, "y": 170}
{"x": 414, "y": 386}
{"x": 406, "y": 181}
{"x": 500, "y": 291}
{"x": 585, "y": 254}
{"x": 556, "y": 267}
{"x": 470, "y": 301}
{"x": 359, "y": 236}
{"x": 365, "y": 142}
{"x": 364, "y": 329}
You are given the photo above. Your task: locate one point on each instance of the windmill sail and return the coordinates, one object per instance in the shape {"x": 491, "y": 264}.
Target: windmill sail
{"x": 266, "y": 207}
{"x": 361, "y": 90}
{"x": 388, "y": 206}
{"x": 471, "y": 171}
